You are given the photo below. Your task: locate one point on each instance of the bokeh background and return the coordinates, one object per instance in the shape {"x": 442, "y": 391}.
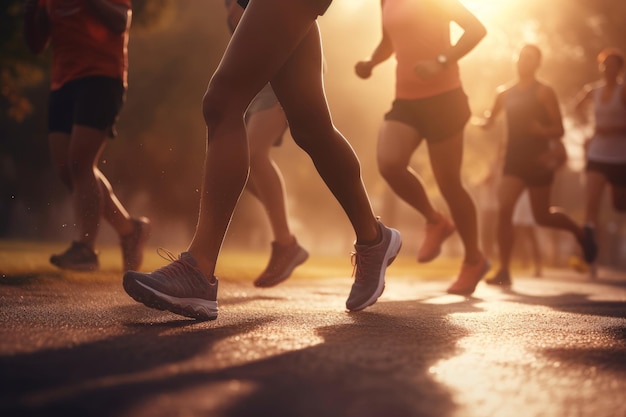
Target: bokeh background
{"x": 156, "y": 161}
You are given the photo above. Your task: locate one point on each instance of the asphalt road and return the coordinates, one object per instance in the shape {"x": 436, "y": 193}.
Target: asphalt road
{"x": 76, "y": 344}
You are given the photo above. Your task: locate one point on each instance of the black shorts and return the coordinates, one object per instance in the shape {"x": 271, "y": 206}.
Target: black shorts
{"x": 91, "y": 101}
{"x": 532, "y": 174}
{"x": 435, "y": 118}
{"x": 320, "y": 5}
{"x": 615, "y": 173}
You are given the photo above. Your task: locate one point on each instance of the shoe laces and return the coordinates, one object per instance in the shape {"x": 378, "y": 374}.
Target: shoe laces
{"x": 360, "y": 261}
{"x": 177, "y": 266}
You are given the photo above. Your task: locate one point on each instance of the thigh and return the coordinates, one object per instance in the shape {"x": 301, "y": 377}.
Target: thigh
{"x": 446, "y": 157}
{"x": 59, "y": 146}
{"x": 509, "y": 192}
{"x": 396, "y": 143}
{"x": 540, "y": 200}
{"x": 300, "y": 89}
{"x": 86, "y": 144}
{"x": 266, "y": 37}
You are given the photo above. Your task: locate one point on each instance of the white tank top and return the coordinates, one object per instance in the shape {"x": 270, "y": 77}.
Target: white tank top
{"x": 609, "y": 148}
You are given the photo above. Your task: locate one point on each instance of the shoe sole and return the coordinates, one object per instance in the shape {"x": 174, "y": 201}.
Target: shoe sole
{"x": 195, "y": 308}
{"x": 298, "y": 260}
{"x": 434, "y": 255}
{"x": 392, "y": 251}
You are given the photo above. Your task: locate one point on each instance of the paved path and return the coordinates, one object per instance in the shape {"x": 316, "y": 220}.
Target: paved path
{"x": 77, "y": 345}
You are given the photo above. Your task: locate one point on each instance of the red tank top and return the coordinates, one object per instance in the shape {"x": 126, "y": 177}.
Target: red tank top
{"x": 81, "y": 45}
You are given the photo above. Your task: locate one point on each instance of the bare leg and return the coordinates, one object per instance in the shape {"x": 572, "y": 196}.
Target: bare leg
{"x": 299, "y": 87}
{"x": 75, "y": 158}
{"x": 266, "y": 181}
{"x": 396, "y": 144}
{"x": 446, "y": 158}
{"x": 594, "y": 189}
{"x": 619, "y": 198}
{"x": 548, "y": 216}
{"x": 510, "y": 190}
{"x": 288, "y": 52}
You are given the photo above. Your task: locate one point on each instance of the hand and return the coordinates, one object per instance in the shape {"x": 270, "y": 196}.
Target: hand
{"x": 427, "y": 69}
{"x": 363, "y": 69}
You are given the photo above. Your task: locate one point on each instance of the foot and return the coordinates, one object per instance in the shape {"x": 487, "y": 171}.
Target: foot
{"x": 588, "y": 244}
{"x": 78, "y": 257}
{"x": 284, "y": 259}
{"x": 470, "y": 276}
{"x": 179, "y": 287}
{"x": 133, "y": 244}
{"x": 436, "y": 234}
{"x": 370, "y": 262}
{"x": 502, "y": 278}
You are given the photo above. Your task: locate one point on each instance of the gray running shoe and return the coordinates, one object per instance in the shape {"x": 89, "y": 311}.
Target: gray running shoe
{"x": 79, "y": 257}
{"x": 284, "y": 259}
{"x": 179, "y": 287}
{"x": 133, "y": 244}
{"x": 370, "y": 263}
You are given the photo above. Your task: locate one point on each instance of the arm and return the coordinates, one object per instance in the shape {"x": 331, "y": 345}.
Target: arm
{"x": 555, "y": 127}
{"x": 115, "y": 16}
{"x": 383, "y": 51}
{"x": 36, "y": 26}
{"x": 491, "y": 115}
{"x": 582, "y": 101}
{"x": 473, "y": 32}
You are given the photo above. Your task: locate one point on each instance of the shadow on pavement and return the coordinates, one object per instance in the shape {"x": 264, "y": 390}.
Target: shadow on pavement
{"x": 376, "y": 366}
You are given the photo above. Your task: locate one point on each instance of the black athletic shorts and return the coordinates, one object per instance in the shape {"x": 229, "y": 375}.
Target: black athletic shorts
{"x": 320, "y": 5}
{"x": 436, "y": 118}
{"x": 615, "y": 173}
{"x": 532, "y": 174}
{"x": 91, "y": 101}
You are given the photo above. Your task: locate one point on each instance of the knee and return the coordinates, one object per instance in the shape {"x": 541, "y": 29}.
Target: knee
{"x": 389, "y": 168}
{"x": 221, "y": 101}
{"x": 543, "y": 217}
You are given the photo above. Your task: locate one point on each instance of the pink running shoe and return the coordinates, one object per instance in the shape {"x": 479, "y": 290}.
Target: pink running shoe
{"x": 470, "y": 276}
{"x": 284, "y": 259}
{"x": 436, "y": 234}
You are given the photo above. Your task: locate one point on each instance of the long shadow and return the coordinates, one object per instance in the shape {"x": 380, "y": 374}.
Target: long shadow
{"x": 376, "y": 366}
{"x": 570, "y": 302}
{"x": 26, "y": 374}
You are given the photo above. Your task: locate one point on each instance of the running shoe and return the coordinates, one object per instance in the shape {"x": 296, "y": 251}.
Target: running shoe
{"x": 588, "y": 244}
{"x": 470, "y": 276}
{"x": 436, "y": 234}
{"x": 284, "y": 259}
{"x": 133, "y": 244}
{"x": 179, "y": 287}
{"x": 370, "y": 262}
{"x": 79, "y": 257}
{"x": 502, "y": 278}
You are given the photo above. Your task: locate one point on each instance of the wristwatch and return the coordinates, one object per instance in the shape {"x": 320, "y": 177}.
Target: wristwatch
{"x": 442, "y": 59}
